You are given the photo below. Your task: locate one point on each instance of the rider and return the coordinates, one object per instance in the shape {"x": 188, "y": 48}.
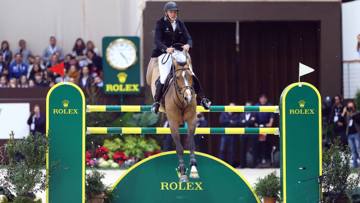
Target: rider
{"x": 169, "y": 31}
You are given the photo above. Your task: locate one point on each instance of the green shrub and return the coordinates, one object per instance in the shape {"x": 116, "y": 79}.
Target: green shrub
{"x": 269, "y": 186}
{"x": 25, "y": 172}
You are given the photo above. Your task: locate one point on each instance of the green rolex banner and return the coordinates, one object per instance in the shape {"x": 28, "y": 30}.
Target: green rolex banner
{"x": 301, "y": 146}
{"x": 121, "y": 65}
{"x": 65, "y": 127}
{"x": 155, "y": 180}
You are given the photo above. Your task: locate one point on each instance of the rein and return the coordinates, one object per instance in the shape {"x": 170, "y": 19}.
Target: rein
{"x": 181, "y": 90}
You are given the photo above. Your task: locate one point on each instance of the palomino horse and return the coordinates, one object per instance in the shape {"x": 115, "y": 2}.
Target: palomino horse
{"x": 180, "y": 106}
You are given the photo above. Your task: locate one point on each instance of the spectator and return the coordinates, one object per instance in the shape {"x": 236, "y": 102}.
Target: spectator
{"x": 3, "y": 66}
{"x": 337, "y": 120}
{"x": 23, "y": 82}
{"x": 31, "y": 83}
{"x": 3, "y": 82}
{"x": 25, "y": 53}
{"x": 54, "y": 59}
{"x": 67, "y": 60}
{"x": 227, "y": 142}
{"x": 352, "y": 132}
{"x": 36, "y": 121}
{"x": 5, "y": 52}
{"x": 85, "y": 78}
{"x": 72, "y": 75}
{"x": 35, "y": 69}
{"x": 31, "y": 59}
{"x": 94, "y": 60}
{"x": 78, "y": 52}
{"x": 13, "y": 83}
{"x": 48, "y": 79}
{"x": 200, "y": 140}
{"x": 91, "y": 47}
{"x": 51, "y": 50}
{"x": 264, "y": 142}
{"x": 98, "y": 82}
{"x": 37, "y": 62}
{"x": 18, "y": 67}
{"x": 39, "y": 81}
{"x": 248, "y": 143}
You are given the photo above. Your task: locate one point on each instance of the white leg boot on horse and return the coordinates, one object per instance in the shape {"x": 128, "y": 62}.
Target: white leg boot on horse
{"x": 194, "y": 174}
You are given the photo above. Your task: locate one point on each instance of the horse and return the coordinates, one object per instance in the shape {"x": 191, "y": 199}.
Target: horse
{"x": 179, "y": 104}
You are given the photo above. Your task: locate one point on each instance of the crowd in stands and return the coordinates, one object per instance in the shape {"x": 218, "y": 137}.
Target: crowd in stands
{"x": 20, "y": 68}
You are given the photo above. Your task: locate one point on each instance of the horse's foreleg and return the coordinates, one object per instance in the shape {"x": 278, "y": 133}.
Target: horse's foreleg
{"x": 179, "y": 151}
{"x": 191, "y": 132}
{"x": 193, "y": 165}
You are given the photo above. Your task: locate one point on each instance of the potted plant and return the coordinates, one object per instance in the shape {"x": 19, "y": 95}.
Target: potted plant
{"x": 96, "y": 191}
{"x": 337, "y": 179}
{"x": 268, "y": 188}
{"x": 25, "y": 174}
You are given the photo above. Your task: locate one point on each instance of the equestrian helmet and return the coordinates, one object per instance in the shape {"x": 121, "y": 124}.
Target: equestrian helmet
{"x": 171, "y": 6}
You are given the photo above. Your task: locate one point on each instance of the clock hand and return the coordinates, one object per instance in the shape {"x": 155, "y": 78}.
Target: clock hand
{"x": 122, "y": 55}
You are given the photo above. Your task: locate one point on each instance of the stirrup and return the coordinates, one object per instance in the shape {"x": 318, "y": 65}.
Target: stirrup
{"x": 205, "y": 102}
{"x": 155, "y": 107}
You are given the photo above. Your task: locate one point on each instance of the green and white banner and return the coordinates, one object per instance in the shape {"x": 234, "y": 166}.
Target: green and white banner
{"x": 301, "y": 146}
{"x": 65, "y": 126}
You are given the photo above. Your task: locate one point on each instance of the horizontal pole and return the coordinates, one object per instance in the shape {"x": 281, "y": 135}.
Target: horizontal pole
{"x": 161, "y": 130}
{"x": 147, "y": 108}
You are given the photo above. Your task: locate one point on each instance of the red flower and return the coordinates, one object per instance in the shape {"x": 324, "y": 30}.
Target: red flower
{"x": 117, "y": 156}
{"x": 88, "y": 155}
{"x": 105, "y": 156}
{"x": 120, "y": 162}
{"x": 100, "y": 151}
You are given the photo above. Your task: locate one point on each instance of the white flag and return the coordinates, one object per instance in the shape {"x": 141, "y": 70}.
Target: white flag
{"x": 304, "y": 69}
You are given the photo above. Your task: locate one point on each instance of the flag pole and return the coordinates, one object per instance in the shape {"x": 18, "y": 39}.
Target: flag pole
{"x": 299, "y": 76}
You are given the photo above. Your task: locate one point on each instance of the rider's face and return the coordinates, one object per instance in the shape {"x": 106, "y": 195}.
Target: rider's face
{"x": 172, "y": 15}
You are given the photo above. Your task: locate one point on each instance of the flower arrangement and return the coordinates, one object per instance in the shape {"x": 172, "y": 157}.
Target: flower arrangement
{"x": 122, "y": 152}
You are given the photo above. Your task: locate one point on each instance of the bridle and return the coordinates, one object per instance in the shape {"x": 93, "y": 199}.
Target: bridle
{"x": 180, "y": 91}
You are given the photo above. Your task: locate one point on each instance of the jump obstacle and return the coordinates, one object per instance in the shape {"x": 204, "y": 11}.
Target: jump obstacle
{"x": 154, "y": 179}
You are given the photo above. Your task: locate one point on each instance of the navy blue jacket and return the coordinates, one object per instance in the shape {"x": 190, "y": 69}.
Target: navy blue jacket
{"x": 165, "y": 36}
{"x": 229, "y": 120}
{"x": 247, "y": 123}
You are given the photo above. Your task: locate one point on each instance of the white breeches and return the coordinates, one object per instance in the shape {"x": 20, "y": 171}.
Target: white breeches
{"x": 164, "y": 69}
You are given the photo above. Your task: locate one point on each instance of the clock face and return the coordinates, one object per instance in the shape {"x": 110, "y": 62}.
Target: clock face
{"x": 121, "y": 54}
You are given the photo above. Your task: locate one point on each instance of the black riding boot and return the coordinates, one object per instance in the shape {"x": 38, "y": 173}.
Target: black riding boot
{"x": 205, "y": 102}
{"x": 158, "y": 95}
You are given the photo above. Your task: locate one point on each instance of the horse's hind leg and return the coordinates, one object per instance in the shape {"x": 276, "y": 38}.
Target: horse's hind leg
{"x": 174, "y": 127}
{"x": 193, "y": 165}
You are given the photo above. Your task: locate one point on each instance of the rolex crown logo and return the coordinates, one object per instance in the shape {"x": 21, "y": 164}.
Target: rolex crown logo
{"x": 122, "y": 77}
{"x": 302, "y": 103}
{"x": 65, "y": 103}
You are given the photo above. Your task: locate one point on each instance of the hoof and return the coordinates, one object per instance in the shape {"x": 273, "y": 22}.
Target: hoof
{"x": 194, "y": 173}
{"x": 183, "y": 179}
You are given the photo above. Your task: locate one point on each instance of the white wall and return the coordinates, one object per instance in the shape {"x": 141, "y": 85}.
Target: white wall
{"x": 36, "y": 20}
{"x": 351, "y": 28}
